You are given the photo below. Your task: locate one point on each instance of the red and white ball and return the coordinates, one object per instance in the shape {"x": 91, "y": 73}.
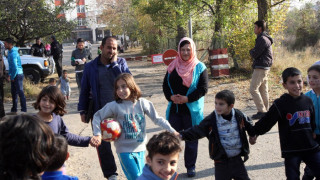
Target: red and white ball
{"x": 110, "y": 129}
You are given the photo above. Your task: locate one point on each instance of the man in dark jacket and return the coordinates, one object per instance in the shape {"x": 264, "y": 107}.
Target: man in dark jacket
{"x": 2, "y": 77}
{"x": 56, "y": 52}
{"x": 262, "y": 55}
{"x": 38, "y": 49}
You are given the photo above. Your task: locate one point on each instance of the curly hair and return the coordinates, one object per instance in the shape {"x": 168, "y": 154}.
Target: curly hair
{"x": 56, "y": 96}
{"x": 26, "y": 147}
{"x": 135, "y": 92}
{"x": 164, "y": 143}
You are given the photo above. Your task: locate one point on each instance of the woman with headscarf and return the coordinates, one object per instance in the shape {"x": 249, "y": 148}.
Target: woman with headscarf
{"x": 184, "y": 86}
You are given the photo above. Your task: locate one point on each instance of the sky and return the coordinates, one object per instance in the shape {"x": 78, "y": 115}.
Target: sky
{"x": 299, "y": 3}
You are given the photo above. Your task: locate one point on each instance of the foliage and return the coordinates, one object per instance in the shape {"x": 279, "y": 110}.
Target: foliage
{"x": 24, "y": 20}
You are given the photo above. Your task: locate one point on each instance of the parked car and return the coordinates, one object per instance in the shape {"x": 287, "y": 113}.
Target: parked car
{"x": 36, "y": 69}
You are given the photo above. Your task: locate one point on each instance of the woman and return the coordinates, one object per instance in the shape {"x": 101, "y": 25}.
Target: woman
{"x": 184, "y": 86}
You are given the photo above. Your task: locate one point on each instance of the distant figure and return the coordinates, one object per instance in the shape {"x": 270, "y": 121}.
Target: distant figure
{"x": 48, "y": 47}
{"x": 52, "y": 81}
{"x": 64, "y": 85}
{"x": 38, "y": 48}
{"x": 56, "y": 52}
{"x": 2, "y": 77}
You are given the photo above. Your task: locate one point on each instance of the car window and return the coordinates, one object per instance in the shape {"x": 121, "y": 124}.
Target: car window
{"x": 24, "y": 51}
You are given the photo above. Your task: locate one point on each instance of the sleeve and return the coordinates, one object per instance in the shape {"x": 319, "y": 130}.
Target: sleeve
{"x": 32, "y": 49}
{"x": 13, "y": 65}
{"x": 166, "y": 89}
{"x": 106, "y": 112}
{"x": 202, "y": 87}
{"x": 90, "y": 55}
{"x": 73, "y": 139}
{"x": 73, "y": 62}
{"x": 153, "y": 115}
{"x": 268, "y": 121}
{"x": 312, "y": 117}
{"x": 248, "y": 124}
{"x": 198, "y": 131}
{"x": 259, "y": 48}
{"x": 68, "y": 89}
{"x": 85, "y": 89}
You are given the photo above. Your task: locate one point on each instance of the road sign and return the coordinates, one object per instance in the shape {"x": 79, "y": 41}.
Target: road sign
{"x": 169, "y": 56}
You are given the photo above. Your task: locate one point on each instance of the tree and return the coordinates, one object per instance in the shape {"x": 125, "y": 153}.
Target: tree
{"x": 25, "y": 20}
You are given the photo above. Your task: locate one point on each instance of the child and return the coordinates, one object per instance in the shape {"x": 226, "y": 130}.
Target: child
{"x": 129, "y": 110}
{"x": 294, "y": 113}
{"x": 54, "y": 170}
{"x": 225, "y": 128}
{"x": 51, "y": 104}
{"x": 26, "y": 146}
{"x": 64, "y": 87}
{"x": 52, "y": 81}
{"x": 162, "y": 160}
{"x": 314, "y": 82}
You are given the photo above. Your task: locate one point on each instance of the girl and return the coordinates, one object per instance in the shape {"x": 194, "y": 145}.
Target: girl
{"x": 129, "y": 109}
{"x": 50, "y": 103}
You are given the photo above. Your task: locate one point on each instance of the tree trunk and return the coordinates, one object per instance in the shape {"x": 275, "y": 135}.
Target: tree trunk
{"x": 181, "y": 33}
{"x": 263, "y": 7}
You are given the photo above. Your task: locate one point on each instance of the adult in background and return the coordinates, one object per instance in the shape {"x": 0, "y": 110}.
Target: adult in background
{"x": 98, "y": 84}
{"x": 15, "y": 76}
{"x": 56, "y": 52}
{"x": 38, "y": 48}
{"x": 2, "y": 77}
{"x": 79, "y": 58}
{"x": 184, "y": 86}
{"x": 262, "y": 61}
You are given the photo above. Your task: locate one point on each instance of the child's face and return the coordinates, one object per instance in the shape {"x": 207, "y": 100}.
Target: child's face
{"x": 164, "y": 166}
{"x": 46, "y": 105}
{"x": 52, "y": 83}
{"x": 65, "y": 75}
{"x": 122, "y": 90}
{"x": 314, "y": 79}
{"x": 222, "y": 107}
{"x": 294, "y": 85}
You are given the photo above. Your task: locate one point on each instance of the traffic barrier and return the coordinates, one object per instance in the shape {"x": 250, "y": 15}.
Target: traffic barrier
{"x": 219, "y": 65}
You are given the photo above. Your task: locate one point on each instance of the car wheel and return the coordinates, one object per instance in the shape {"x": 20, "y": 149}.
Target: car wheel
{"x": 32, "y": 74}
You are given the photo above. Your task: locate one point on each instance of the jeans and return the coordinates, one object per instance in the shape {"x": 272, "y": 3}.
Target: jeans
{"x": 308, "y": 174}
{"x": 58, "y": 60}
{"x": 78, "y": 79}
{"x": 17, "y": 89}
{"x": 259, "y": 89}
{"x": 182, "y": 122}
{"x": 231, "y": 168}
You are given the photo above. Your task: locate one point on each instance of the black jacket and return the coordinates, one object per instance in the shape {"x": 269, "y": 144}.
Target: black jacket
{"x": 56, "y": 48}
{"x": 262, "y": 51}
{"x": 208, "y": 128}
{"x": 37, "y": 50}
{"x": 296, "y": 123}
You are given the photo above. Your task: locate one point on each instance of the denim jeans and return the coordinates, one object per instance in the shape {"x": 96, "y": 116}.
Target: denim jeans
{"x": 17, "y": 89}
{"x": 231, "y": 168}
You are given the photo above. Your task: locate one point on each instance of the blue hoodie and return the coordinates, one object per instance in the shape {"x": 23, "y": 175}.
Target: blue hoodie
{"x": 316, "y": 103}
{"x": 147, "y": 174}
{"x": 14, "y": 61}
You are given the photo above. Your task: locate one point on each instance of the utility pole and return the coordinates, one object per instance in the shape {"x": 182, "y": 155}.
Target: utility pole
{"x": 190, "y": 27}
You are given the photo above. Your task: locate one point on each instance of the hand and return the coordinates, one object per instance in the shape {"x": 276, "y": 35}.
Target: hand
{"x": 182, "y": 99}
{"x": 114, "y": 58}
{"x": 174, "y": 99}
{"x": 95, "y": 141}
{"x": 177, "y": 134}
{"x": 314, "y": 135}
{"x": 252, "y": 140}
{"x": 83, "y": 118}
{"x": 84, "y": 60}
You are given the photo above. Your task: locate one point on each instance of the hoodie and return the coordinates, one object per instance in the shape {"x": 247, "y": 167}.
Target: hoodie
{"x": 147, "y": 174}
{"x": 14, "y": 61}
{"x": 262, "y": 52}
{"x": 316, "y": 102}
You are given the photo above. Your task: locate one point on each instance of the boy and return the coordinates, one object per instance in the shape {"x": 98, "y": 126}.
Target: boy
{"x": 162, "y": 160}
{"x": 61, "y": 154}
{"x": 64, "y": 84}
{"x": 294, "y": 113}
{"x": 225, "y": 128}
{"x": 52, "y": 81}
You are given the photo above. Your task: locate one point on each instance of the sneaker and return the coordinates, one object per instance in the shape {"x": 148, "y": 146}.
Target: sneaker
{"x": 191, "y": 172}
{"x": 259, "y": 115}
{"x": 113, "y": 177}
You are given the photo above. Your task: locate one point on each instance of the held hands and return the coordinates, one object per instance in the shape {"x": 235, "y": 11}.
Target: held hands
{"x": 179, "y": 99}
{"x": 252, "y": 140}
{"x": 95, "y": 141}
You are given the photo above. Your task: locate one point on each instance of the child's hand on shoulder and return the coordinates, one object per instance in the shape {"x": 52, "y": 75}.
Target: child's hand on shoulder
{"x": 252, "y": 140}
{"x": 95, "y": 141}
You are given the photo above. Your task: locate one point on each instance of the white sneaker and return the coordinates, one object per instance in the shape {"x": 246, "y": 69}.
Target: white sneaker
{"x": 113, "y": 177}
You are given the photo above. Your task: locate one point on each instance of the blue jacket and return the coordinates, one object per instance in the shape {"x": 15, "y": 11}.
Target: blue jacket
{"x": 57, "y": 175}
{"x": 316, "y": 103}
{"x": 90, "y": 82}
{"x": 147, "y": 174}
{"x": 14, "y": 61}
{"x": 196, "y": 107}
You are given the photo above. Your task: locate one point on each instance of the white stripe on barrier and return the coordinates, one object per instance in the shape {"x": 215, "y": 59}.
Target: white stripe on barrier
{"x": 220, "y": 66}
{"x": 218, "y": 56}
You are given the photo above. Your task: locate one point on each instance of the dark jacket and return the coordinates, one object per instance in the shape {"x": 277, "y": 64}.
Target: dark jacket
{"x": 208, "y": 128}
{"x": 37, "y": 50}
{"x": 296, "y": 123}
{"x": 2, "y": 68}
{"x": 80, "y": 54}
{"x": 56, "y": 48}
{"x": 262, "y": 52}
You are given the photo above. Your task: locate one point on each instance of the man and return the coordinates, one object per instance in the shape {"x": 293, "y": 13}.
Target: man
{"x": 262, "y": 55}
{"x": 98, "y": 82}
{"x": 38, "y": 49}
{"x": 79, "y": 58}
{"x": 15, "y": 76}
{"x": 2, "y": 76}
{"x": 56, "y": 52}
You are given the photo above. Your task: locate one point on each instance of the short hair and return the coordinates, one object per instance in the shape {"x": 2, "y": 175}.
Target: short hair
{"x": 79, "y": 40}
{"x": 52, "y": 80}
{"x": 290, "y": 72}
{"x": 53, "y": 37}
{"x": 184, "y": 43}
{"x": 135, "y": 92}
{"x": 104, "y": 40}
{"x": 56, "y": 96}
{"x": 26, "y": 147}
{"x": 9, "y": 40}
{"x": 314, "y": 68}
{"x": 64, "y": 71}
{"x": 60, "y": 154}
{"x": 227, "y": 96}
{"x": 165, "y": 143}
{"x": 38, "y": 38}
{"x": 261, "y": 24}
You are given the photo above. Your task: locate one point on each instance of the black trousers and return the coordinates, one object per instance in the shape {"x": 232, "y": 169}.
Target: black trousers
{"x": 2, "y": 113}
{"x": 232, "y": 168}
{"x": 58, "y": 60}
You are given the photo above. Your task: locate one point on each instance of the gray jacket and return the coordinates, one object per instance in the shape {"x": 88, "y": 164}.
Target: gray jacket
{"x": 262, "y": 52}
{"x": 80, "y": 54}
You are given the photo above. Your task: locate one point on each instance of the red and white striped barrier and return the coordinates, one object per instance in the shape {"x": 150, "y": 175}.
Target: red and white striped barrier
{"x": 219, "y": 64}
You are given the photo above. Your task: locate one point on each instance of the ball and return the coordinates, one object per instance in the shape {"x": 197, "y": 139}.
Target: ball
{"x": 110, "y": 129}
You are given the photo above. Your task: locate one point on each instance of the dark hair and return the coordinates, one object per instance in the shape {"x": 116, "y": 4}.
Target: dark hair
{"x": 290, "y": 72}
{"x": 54, "y": 95}
{"x": 164, "y": 143}
{"x": 64, "y": 71}
{"x": 227, "y": 96}
{"x": 135, "y": 92}
{"x": 261, "y": 24}
{"x": 184, "y": 43}
{"x": 53, "y": 37}
{"x": 60, "y": 154}
{"x": 38, "y": 38}
{"x": 9, "y": 40}
{"x": 314, "y": 68}
{"x": 25, "y": 148}
{"x": 79, "y": 40}
{"x": 104, "y": 40}
{"x": 51, "y": 80}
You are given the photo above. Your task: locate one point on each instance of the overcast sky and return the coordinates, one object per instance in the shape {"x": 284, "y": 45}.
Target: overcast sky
{"x": 300, "y": 3}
